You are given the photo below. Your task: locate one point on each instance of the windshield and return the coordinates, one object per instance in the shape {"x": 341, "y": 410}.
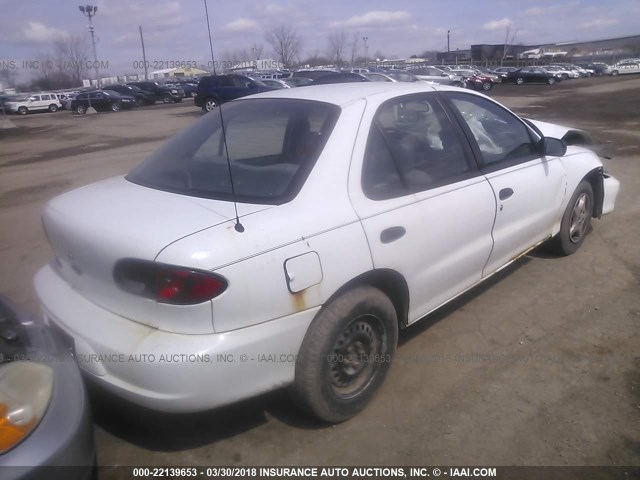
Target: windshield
{"x": 272, "y": 144}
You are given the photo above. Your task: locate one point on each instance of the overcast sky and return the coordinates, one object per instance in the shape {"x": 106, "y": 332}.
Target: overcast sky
{"x": 177, "y": 30}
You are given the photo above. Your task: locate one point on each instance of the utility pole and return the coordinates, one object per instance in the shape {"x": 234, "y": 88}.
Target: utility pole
{"x": 144, "y": 55}
{"x": 366, "y": 52}
{"x": 90, "y": 11}
{"x": 448, "y": 44}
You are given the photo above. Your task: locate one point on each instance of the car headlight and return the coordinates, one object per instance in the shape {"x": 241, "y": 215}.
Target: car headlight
{"x": 25, "y": 392}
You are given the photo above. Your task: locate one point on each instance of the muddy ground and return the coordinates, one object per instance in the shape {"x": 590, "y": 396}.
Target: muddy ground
{"x": 540, "y": 366}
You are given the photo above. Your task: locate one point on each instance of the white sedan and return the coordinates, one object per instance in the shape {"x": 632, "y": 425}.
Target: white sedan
{"x": 289, "y": 251}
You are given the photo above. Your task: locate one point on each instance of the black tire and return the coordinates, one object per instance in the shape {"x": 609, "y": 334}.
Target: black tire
{"x": 23, "y": 110}
{"x": 115, "y": 107}
{"x": 615, "y": 73}
{"x": 565, "y": 76}
{"x": 519, "y": 81}
{"x": 346, "y": 354}
{"x": 575, "y": 222}
{"x": 486, "y": 86}
{"x": 53, "y": 108}
{"x": 551, "y": 81}
{"x": 81, "y": 109}
{"x": 209, "y": 104}
{"x": 139, "y": 102}
{"x": 167, "y": 99}
{"x": 178, "y": 100}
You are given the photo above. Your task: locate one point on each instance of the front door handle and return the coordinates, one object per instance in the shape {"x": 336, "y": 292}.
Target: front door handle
{"x": 392, "y": 234}
{"x": 505, "y": 193}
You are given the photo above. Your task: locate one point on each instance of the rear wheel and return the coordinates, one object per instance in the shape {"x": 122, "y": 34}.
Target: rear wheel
{"x": 23, "y": 110}
{"x": 115, "y": 107}
{"x": 210, "y": 104}
{"x": 81, "y": 109}
{"x": 575, "y": 221}
{"x": 167, "y": 99}
{"x": 346, "y": 354}
{"x": 519, "y": 81}
{"x": 53, "y": 107}
{"x": 486, "y": 86}
{"x": 139, "y": 102}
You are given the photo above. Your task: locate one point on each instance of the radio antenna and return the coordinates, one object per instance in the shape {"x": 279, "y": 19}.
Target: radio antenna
{"x": 238, "y": 226}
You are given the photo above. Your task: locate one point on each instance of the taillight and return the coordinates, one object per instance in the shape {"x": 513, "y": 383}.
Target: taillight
{"x": 167, "y": 283}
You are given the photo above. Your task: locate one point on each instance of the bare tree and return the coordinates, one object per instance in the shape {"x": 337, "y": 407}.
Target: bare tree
{"x": 257, "y": 49}
{"x": 8, "y": 77}
{"x": 286, "y": 43}
{"x": 354, "y": 46}
{"x": 509, "y": 38}
{"x": 336, "y": 45}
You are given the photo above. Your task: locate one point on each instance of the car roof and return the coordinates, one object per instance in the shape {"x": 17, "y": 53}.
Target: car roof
{"x": 343, "y": 94}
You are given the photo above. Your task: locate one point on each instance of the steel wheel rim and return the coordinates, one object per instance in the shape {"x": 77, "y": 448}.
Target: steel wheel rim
{"x": 579, "y": 218}
{"x": 354, "y": 359}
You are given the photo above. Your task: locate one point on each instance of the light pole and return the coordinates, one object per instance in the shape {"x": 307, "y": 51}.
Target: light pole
{"x": 366, "y": 52}
{"x": 144, "y": 54}
{"x": 90, "y": 11}
{"x": 448, "y": 45}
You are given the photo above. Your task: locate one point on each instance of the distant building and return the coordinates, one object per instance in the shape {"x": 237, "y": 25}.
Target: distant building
{"x": 178, "y": 72}
{"x": 607, "y": 50}
{"x": 455, "y": 56}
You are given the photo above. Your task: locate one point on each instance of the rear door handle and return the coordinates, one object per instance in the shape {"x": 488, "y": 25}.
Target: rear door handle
{"x": 392, "y": 234}
{"x": 505, "y": 193}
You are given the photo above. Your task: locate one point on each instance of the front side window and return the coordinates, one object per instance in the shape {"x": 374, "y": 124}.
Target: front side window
{"x": 272, "y": 145}
{"x": 412, "y": 146}
{"x": 502, "y": 138}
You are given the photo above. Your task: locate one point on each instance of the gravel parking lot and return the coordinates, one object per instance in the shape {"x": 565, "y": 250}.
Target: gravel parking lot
{"x": 540, "y": 366}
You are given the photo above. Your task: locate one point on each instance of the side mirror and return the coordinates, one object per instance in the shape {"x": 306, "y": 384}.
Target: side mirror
{"x": 553, "y": 147}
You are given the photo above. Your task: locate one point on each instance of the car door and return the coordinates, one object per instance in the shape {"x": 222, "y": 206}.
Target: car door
{"x": 528, "y": 187}
{"x": 426, "y": 210}
{"x": 45, "y": 101}
{"x": 35, "y": 102}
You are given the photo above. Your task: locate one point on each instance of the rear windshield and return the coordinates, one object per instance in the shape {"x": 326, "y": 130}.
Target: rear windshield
{"x": 272, "y": 144}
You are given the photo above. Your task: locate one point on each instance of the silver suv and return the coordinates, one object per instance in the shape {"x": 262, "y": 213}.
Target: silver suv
{"x": 435, "y": 75}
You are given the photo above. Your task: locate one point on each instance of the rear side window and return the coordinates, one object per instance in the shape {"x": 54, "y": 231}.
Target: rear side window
{"x": 272, "y": 144}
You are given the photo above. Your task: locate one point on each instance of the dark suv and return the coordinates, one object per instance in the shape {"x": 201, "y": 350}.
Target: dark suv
{"x": 217, "y": 89}
{"x": 160, "y": 92}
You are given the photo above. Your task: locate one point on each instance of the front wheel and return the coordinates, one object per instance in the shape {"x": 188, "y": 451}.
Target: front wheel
{"x": 81, "y": 109}
{"x": 519, "y": 81}
{"x": 23, "y": 110}
{"x": 575, "y": 221}
{"x": 53, "y": 108}
{"x": 115, "y": 107}
{"x": 346, "y": 354}
{"x": 167, "y": 99}
{"x": 486, "y": 86}
{"x": 551, "y": 81}
{"x": 615, "y": 73}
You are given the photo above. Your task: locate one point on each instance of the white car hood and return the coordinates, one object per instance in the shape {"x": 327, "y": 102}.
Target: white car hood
{"x": 551, "y": 129}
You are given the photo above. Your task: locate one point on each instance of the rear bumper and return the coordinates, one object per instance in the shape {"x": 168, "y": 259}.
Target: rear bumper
{"x": 64, "y": 437}
{"x": 611, "y": 189}
{"x": 168, "y": 371}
